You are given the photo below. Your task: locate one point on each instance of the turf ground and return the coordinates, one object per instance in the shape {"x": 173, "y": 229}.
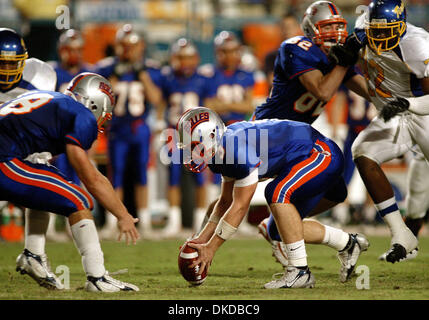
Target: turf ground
{"x": 239, "y": 270}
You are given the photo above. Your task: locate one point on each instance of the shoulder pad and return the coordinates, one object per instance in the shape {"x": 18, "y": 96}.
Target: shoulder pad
{"x": 105, "y": 62}
{"x": 166, "y": 70}
{"x": 415, "y": 50}
{"x": 151, "y": 63}
{"x": 40, "y": 74}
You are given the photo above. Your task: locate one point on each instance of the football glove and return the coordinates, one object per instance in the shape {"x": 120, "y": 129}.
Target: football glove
{"x": 347, "y": 54}
{"x": 393, "y": 108}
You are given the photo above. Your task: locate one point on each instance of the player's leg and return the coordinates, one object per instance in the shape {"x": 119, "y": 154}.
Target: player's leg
{"x": 200, "y": 201}
{"x": 86, "y": 240}
{"x": 141, "y": 158}
{"x": 118, "y": 152}
{"x": 43, "y": 188}
{"x": 174, "y": 223}
{"x": 378, "y": 143}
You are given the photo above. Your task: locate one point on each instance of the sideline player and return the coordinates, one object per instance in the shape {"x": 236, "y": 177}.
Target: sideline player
{"x": 307, "y": 170}
{"x": 394, "y": 58}
{"x": 47, "y": 121}
{"x": 183, "y": 87}
{"x": 134, "y": 81}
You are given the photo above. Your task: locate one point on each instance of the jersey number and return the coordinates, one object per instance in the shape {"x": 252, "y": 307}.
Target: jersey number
{"x": 26, "y": 104}
{"x": 377, "y": 81}
{"x": 181, "y": 102}
{"x": 308, "y": 102}
{"x": 131, "y": 92}
{"x": 230, "y": 93}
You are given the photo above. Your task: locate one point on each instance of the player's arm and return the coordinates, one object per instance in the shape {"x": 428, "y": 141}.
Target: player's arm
{"x": 417, "y": 105}
{"x": 219, "y": 209}
{"x": 323, "y": 87}
{"x": 358, "y": 85}
{"x": 98, "y": 185}
{"x": 152, "y": 92}
{"x": 226, "y": 227}
{"x": 243, "y": 106}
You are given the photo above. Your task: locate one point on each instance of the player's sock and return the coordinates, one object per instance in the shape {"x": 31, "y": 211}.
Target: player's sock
{"x": 335, "y": 238}
{"x": 389, "y": 211}
{"x": 36, "y": 225}
{"x": 199, "y": 215}
{"x": 341, "y": 213}
{"x": 144, "y": 218}
{"x": 110, "y": 221}
{"x": 51, "y": 225}
{"x": 297, "y": 256}
{"x": 86, "y": 239}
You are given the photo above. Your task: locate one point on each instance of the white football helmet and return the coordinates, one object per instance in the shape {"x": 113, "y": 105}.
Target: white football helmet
{"x": 320, "y": 14}
{"x": 200, "y": 133}
{"x": 94, "y": 92}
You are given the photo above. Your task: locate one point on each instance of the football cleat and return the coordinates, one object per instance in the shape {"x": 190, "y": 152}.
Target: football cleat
{"x": 409, "y": 255}
{"x": 293, "y": 278}
{"x": 37, "y": 267}
{"x": 106, "y": 283}
{"x": 349, "y": 256}
{"x": 278, "y": 247}
{"x": 403, "y": 247}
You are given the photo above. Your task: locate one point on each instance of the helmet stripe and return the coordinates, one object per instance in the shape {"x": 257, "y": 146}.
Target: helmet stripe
{"x": 77, "y": 80}
{"x": 334, "y": 10}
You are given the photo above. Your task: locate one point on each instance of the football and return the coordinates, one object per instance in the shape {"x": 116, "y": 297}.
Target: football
{"x": 187, "y": 256}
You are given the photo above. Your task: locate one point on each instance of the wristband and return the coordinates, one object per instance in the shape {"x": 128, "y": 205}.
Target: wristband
{"x": 224, "y": 230}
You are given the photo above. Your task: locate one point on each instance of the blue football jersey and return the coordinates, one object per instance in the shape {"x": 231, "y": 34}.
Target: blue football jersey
{"x": 131, "y": 107}
{"x": 183, "y": 93}
{"x": 44, "y": 121}
{"x": 230, "y": 88}
{"x": 65, "y": 76}
{"x": 268, "y": 145}
{"x": 289, "y": 99}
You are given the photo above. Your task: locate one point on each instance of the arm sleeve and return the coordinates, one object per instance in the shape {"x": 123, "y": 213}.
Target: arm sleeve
{"x": 296, "y": 61}
{"x": 84, "y": 130}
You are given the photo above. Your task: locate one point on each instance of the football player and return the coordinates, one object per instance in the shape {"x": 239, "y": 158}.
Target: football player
{"x": 394, "y": 58}
{"x": 232, "y": 86}
{"x": 133, "y": 78}
{"x": 47, "y": 121}
{"x": 307, "y": 170}
{"x": 305, "y": 79}
{"x": 183, "y": 87}
{"x": 70, "y": 47}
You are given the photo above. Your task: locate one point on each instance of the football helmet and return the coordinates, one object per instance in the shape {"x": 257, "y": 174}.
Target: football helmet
{"x": 184, "y": 57}
{"x": 228, "y": 50}
{"x": 13, "y": 54}
{"x": 200, "y": 132}
{"x": 94, "y": 92}
{"x": 70, "y": 45}
{"x": 385, "y": 24}
{"x": 317, "y": 17}
{"x": 129, "y": 44}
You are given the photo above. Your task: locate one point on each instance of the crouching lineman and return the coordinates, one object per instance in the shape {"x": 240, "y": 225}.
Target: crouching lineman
{"x": 308, "y": 180}
{"x": 47, "y": 121}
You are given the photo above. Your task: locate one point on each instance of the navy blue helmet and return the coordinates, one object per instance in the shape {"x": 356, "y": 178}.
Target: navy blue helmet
{"x": 13, "y": 54}
{"x": 386, "y": 24}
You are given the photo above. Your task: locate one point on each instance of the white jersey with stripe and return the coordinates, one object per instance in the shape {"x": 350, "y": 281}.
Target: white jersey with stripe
{"x": 396, "y": 73}
{"x": 37, "y": 75}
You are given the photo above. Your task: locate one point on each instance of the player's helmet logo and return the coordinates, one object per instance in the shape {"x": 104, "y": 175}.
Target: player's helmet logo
{"x": 94, "y": 92}
{"x": 318, "y": 17}
{"x": 385, "y": 24}
{"x": 13, "y": 54}
{"x": 200, "y": 133}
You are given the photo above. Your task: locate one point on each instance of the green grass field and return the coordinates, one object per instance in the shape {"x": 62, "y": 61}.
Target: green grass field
{"x": 239, "y": 270}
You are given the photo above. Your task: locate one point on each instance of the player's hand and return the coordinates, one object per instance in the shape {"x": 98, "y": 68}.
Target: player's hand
{"x": 205, "y": 256}
{"x": 126, "y": 226}
{"x": 346, "y": 54}
{"x": 393, "y": 108}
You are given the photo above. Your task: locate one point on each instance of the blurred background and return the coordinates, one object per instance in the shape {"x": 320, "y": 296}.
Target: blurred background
{"x": 260, "y": 26}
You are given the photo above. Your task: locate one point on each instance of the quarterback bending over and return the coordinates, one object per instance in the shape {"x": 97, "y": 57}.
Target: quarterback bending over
{"x": 307, "y": 170}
